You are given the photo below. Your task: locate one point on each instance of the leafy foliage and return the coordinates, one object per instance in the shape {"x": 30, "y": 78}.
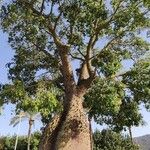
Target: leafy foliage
{"x": 9, "y": 142}
{"x": 127, "y": 116}
{"x": 74, "y": 23}
{"x": 104, "y": 94}
{"x": 138, "y": 81}
{"x": 45, "y": 100}
{"x": 109, "y": 140}
{"x": 115, "y": 101}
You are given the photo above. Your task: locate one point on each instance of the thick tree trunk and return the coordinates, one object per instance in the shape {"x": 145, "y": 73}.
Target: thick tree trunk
{"x": 70, "y": 131}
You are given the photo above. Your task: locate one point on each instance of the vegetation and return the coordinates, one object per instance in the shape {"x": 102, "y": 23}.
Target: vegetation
{"x": 109, "y": 140}
{"x": 104, "y": 140}
{"x": 31, "y": 117}
{"x": 49, "y": 36}
{"x": 7, "y": 143}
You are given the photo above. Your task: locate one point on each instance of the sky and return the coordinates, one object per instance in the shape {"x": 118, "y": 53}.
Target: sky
{"x": 6, "y": 54}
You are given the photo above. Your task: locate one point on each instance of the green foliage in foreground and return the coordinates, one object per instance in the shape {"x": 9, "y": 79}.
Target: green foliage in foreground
{"x": 105, "y": 140}
{"x": 44, "y": 100}
{"x": 8, "y": 143}
{"x": 109, "y": 140}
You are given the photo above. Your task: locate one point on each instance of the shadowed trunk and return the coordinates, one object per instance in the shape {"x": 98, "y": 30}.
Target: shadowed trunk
{"x": 70, "y": 131}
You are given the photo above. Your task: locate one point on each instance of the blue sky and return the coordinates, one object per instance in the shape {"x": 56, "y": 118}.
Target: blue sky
{"x": 6, "y": 54}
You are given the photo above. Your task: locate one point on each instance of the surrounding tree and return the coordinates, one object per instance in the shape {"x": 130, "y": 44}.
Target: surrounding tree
{"x": 104, "y": 140}
{"x": 128, "y": 114}
{"x": 18, "y": 121}
{"x": 44, "y": 100}
{"x": 49, "y": 36}
{"x": 7, "y": 143}
{"x": 109, "y": 140}
{"x": 31, "y": 117}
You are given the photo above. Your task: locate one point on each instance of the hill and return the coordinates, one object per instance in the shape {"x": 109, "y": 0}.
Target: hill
{"x": 143, "y": 141}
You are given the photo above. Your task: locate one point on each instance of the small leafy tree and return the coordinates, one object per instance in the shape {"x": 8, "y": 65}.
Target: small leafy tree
{"x": 109, "y": 140}
{"x": 122, "y": 97}
{"x": 7, "y": 143}
{"x": 46, "y": 98}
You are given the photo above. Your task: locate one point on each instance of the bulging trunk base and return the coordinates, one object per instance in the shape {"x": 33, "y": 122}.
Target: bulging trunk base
{"x": 70, "y": 131}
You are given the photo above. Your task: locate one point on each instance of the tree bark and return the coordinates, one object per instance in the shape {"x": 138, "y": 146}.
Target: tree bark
{"x": 70, "y": 130}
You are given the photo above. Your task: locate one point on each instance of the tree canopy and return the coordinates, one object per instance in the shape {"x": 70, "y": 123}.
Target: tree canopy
{"x": 35, "y": 29}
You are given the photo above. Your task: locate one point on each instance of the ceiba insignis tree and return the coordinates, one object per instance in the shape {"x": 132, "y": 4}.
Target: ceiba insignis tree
{"x": 51, "y": 34}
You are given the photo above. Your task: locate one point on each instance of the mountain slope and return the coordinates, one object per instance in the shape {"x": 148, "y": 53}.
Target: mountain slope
{"x": 143, "y": 141}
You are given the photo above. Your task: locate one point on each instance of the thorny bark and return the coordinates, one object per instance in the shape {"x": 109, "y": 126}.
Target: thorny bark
{"x": 70, "y": 131}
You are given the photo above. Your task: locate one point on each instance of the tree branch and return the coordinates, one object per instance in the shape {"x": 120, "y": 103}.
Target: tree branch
{"x": 74, "y": 57}
{"x": 109, "y": 20}
{"x": 42, "y": 6}
{"x": 29, "y": 5}
{"x": 107, "y": 45}
{"x": 44, "y": 51}
{"x": 56, "y": 22}
{"x": 80, "y": 52}
{"x": 47, "y": 20}
{"x": 51, "y": 9}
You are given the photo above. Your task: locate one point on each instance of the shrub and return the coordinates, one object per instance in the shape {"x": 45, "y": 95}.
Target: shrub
{"x": 109, "y": 140}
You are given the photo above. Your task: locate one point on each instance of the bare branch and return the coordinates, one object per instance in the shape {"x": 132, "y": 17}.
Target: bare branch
{"x": 56, "y": 22}
{"x": 89, "y": 47}
{"x": 51, "y": 9}
{"x": 42, "y": 6}
{"x": 80, "y": 52}
{"x": 74, "y": 57}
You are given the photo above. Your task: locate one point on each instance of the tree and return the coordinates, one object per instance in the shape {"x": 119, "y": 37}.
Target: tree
{"x": 137, "y": 81}
{"x": 50, "y": 35}
{"x": 8, "y": 142}
{"x": 127, "y": 117}
{"x": 44, "y": 100}
{"x": 118, "y": 116}
{"x": 31, "y": 116}
{"x": 127, "y": 114}
{"x": 17, "y": 119}
{"x": 110, "y": 140}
